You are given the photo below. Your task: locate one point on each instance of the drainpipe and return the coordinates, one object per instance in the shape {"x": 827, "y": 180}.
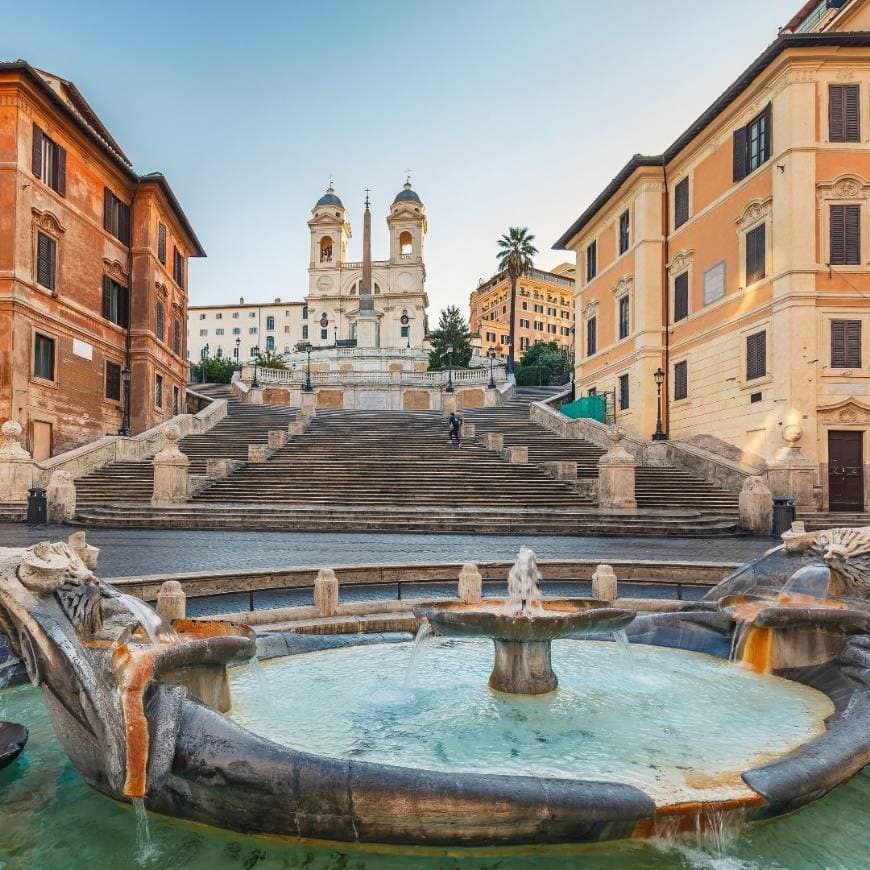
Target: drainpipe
{"x": 666, "y": 308}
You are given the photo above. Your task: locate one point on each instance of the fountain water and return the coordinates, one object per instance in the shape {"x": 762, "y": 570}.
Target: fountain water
{"x": 146, "y": 848}
{"x": 421, "y": 641}
{"x": 152, "y": 623}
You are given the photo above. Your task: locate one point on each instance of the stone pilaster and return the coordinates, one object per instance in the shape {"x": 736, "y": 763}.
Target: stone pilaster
{"x": 616, "y": 474}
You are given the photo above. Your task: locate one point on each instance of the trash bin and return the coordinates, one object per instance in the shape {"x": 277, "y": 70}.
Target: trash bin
{"x": 783, "y": 514}
{"x": 37, "y": 506}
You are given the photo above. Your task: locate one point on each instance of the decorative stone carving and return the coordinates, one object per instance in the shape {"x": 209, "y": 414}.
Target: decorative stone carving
{"x": 849, "y": 410}
{"x": 115, "y": 270}
{"x": 623, "y": 285}
{"x": 756, "y": 506}
{"x": 792, "y": 473}
{"x": 590, "y": 308}
{"x": 16, "y": 465}
{"x": 79, "y": 545}
{"x": 681, "y": 261}
{"x": 171, "y": 601}
{"x": 61, "y": 496}
{"x": 326, "y": 592}
{"x": 755, "y": 212}
{"x": 170, "y": 471}
{"x": 846, "y": 186}
{"x": 604, "y": 583}
{"x": 846, "y": 552}
{"x": 46, "y": 221}
{"x": 470, "y": 584}
{"x": 616, "y": 474}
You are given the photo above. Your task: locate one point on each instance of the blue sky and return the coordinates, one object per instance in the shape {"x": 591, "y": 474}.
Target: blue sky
{"x": 506, "y": 112}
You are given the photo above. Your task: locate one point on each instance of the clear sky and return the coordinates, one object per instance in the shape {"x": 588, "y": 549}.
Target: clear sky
{"x": 507, "y": 112}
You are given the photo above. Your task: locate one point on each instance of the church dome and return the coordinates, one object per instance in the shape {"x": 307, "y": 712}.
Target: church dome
{"x": 406, "y": 194}
{"x": 329, "y": 198}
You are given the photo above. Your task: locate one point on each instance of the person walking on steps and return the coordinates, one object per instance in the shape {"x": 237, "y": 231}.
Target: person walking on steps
{"x": 455, "y": 424}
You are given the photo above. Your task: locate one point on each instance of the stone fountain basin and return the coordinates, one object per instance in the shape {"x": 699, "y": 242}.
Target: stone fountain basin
{"x": 12, "y": 740}
{"x": 768, "y": 611}
{"x": 551, "y": 619}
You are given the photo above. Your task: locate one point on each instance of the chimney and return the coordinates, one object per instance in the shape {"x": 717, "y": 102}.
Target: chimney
{"x": 241, "y": 300}
{"x": 277, "y": 299}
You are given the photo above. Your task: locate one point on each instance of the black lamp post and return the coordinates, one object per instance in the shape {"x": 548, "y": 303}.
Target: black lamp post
{"x": 659, "y": 434}
{"x": 238, "y": 362}
{"x": 203, "y": 356}
{"x": 255, "y": 384}
{"x": 335, "y": 333}
{"x": 125, "y": 419}
{"x": 491, "y": 354}
{"x": 449, "y": 387}
{"x": 307, "y": 385}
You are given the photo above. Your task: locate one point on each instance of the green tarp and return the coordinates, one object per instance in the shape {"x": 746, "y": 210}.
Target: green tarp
{"x": 589, "y": 407}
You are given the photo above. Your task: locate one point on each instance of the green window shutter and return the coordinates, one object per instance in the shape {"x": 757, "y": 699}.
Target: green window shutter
{"x": 36, "y": 152}
{"x": 740, "y": 161}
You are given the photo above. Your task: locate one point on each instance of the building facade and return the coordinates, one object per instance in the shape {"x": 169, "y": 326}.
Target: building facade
{"x": 737, "y": 263}
{"x": 544, "y": 310}
{"x": 93, "y": 273}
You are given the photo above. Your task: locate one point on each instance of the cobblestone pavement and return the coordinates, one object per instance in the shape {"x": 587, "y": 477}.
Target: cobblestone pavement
{"x": 127, "y": 552}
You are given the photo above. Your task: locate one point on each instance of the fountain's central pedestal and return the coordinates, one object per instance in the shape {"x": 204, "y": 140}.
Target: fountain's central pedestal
{"x": 522, "y": 667}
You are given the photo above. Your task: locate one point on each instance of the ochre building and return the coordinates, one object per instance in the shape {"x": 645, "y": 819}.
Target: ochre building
{"x": 544, "y": 310}
{"x": 737, "y": 262}
{"x": 93, "y": 273}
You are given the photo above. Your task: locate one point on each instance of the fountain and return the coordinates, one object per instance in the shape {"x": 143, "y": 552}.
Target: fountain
{"x": 523, "y": 626}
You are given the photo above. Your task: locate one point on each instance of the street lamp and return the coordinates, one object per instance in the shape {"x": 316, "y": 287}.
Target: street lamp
{"x": 125, "y": 419}
{"x": 203, "y": 356}
{"x": 335, "y": 333}
{"x": 236, "y": 351}
{"x": 307, "y": 385}
{"x": 491, "y": 354}
{"x": 659, "y": 434}
{"x": 449, "y": 387}
{"x": 255, "y": 351}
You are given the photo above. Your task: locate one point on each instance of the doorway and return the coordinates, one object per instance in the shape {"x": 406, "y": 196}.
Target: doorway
{"x": 41, "y": 440}
{"x": 846, "y": 471}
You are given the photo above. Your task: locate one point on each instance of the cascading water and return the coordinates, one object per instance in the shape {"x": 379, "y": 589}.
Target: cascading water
{"x": 421, "y": 641}
{"x": 146, "y": 848}
{"x": 152, "y": 623}
{"x": 524, "y": 592}
{"x": 620, "y": 638}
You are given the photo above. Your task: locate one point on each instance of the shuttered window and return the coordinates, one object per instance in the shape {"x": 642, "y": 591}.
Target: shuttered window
{"x": 756, "y": 355}
{"x": 113, "y": 381}
{"x": 176, "y": 336}
{"x": 48, "y": 161}
{"x": 161, "y": 243}
{"x": 681, "y": 380}
{"x": 846, "y": 344}
{"x": 845, "y": 235}
{"x": 46, "y": 261}
{"x": 681, "y": 203}
{"x": 178, "y": 267}
{"x": 755, "y": 254}
{"x": 591, "y": 336}
{"x": 624, "y": 398}
{"x": 591, "y": 261}
{"x": 159, "y": 320}
{"x": 752, "y": 144}
{"x": 115, "y": 302}
{"x": 176, "y": 401}
{"x": 158, "y": 390}
{"x": 43, "y": 357}
{"x": 623, "y": 317}
{"x": 844, "y": 123}
{"x": 116, "y": 217}
{"x": 623, "y": 232}
{"x": 681, "y": 296}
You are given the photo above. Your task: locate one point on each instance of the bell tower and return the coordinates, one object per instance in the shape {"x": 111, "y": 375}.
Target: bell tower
{"x": 330, "y": 232}
{"x": 407, "y": 223}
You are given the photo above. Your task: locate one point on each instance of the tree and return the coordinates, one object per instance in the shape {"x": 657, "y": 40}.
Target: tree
{"x": 213, "y": 370}
{"x": 452, "y": 329}
{"x": 268, "y": 359}
{"x": 543, "y": 364}
{"x": 515, "y": 258}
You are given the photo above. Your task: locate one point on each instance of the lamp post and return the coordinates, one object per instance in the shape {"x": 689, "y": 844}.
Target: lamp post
{"x": 659, "y": 434}
{"x": 335, "y": 333}
{"x": 236, "y": 351}
{"x": 491, "y": 354}
{"x": 125, "y": 419}
{"x": 307, "y": 385}
{"x": 449, "y": 387}
{"x": 255, "y": 351}
{"x": 203, "y": 356}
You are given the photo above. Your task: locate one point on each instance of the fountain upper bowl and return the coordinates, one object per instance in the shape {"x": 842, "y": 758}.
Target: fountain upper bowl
{"x": 548, "y": 618}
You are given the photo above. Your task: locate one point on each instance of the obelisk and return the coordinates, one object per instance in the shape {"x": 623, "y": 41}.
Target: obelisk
{"x": 367, "y": 321}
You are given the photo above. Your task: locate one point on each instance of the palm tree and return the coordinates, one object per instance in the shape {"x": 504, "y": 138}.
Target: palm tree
{"x": 515, "y": 258}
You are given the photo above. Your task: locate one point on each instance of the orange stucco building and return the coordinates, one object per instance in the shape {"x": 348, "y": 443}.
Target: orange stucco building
{"x": 93, "y": 273}
{"x": 737, "y": 263}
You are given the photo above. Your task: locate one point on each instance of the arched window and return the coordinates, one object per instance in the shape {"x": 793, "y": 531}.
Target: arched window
{"x": 160, "y": 320}
{"x": 406, "y": 243}
{"x": 326, "y": 249}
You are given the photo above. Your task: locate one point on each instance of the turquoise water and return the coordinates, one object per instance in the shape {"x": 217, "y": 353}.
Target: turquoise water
{"x": 50, "y": 820}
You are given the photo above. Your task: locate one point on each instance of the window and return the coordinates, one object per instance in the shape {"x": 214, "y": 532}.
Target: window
{"x": 43, "y": 357}
{"x": 525, "y": 306}
{"x": 158, "y": 390}
{"x": 714, "y": 283}
{"x": 551, "y": 328}
{"x": 270, "y": 323}
{"x": 406, "y": 333}
{"x": 46, "y": 261}
{"x": 845, "y": 235}
{"x": 115, "y": 302}
{"x": 49, "y": 161}
{"x": 681, "y": 296}
{"x": 539, "y": 325}
{"x": 551, "y": 312}
{"x": 755, "y": 254}
{"x": 160, "y": 320}
{"x": 113, "y": 381}
{"x": 218, "y": 332}
{"x": 237, "y": 331}
{"x": 623, "y": 232}
{"x": 203, "y": 333}
{"x": 539, "y": 309}
{"x": 252, "y": 314}
{"x": 844, "y": 123}
{"x": 176, "y": 401}
{"x": 176, "y": 336}
{"x": 524, "y": 343}
{"x": 305, "y": 312}
{"x": 845, "y": 344}
{"x": 252, "y": 330}
{"x": 235, "y": 315}
{"x": 681, "y": 203}
{"x": 756, "y": 355}
{"x": 178, "y": 266}
{"x": 270, "y": 342}
{"x": 219, "y": 315}
{"x": 305, "y": 332}
{"x": 323, "y": 333}
{"x": 591, "y": 261}
{"x": 623, "y": 317}
{"x": 161, "y": 243}
{"x": 752, "y": 144}
{"x": 591, "y": 336}
{"x": 524, "y": 324}
{"x": 681, "y": 380}
{"x": 623, "y": 393}
{"x": 116, "y": 217}
{"x": 202, "y": 317}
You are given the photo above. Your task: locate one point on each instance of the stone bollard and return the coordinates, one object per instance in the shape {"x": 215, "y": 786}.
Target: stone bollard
{"x": 469, "y": 430}
{"x": 255, "y": 396}
{"x": 309, "y": 404}
{"x": 326, "y": 592}
{"x": 79, "y": 545}
{"x": 448, "y": 404}
{"x": 171, "y": 601}
{"x": 562, "y": 470}
{"x": 61, "y": 496}
{"x": 170, "y": 471}
{"x": 756, "y": 506}
{"x": 470, "y": 584}
{"x": 277, "y": 438}
{"x": 16, "y": 464}
{"x": 490, "y": 398}
{"x": 215, "y": 468}
{"x": 604, "y": 584}
{"x": 258, "y": 452}
{"x": 616, "y": 474}
{"x": 516, "y": 455}
{"x": 494, "y": 441}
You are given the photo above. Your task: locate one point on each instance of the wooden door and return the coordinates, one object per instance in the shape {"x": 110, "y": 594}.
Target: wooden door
{"x": 846, "y": 471}
{"x": 41, "y": 440}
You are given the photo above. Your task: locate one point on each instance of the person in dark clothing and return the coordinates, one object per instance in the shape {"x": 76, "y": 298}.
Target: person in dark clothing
{"x": 455, "y": 424}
